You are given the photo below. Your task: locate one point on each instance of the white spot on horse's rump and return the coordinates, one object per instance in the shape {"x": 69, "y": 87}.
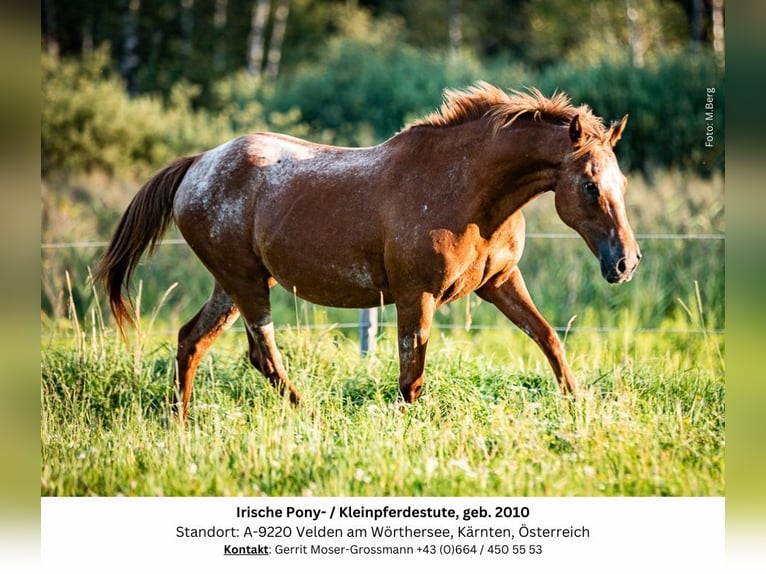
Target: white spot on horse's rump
{"x": 209, "y": 171}
{"x": 207, "y": 188}
{"x": 265, "y": 150}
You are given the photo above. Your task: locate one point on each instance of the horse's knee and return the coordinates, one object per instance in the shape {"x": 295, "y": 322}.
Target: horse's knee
{"x": 185, "y": 350}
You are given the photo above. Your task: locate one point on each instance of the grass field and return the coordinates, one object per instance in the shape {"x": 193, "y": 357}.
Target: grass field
{"x": 491, "y": 422}
{"x": 648, "y": 355}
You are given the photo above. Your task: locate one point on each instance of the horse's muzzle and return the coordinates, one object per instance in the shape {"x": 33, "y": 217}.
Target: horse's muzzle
{"x": 621, "y": 270}
{"x": 619, "y": 267}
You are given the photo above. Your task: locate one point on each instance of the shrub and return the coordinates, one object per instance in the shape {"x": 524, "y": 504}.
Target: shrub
{"x": 90, "y": 123}
{"x": 367, "y": 82}
{"x": 666, "y": 102}
{"x": 362, "y": 89}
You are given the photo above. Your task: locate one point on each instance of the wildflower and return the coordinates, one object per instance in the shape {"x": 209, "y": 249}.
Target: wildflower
{"x": 361, "y": 476}
{"x": 462, "y": 464}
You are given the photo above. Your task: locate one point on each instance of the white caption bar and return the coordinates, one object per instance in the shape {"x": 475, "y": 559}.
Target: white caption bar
{"x": 256, "y": 534}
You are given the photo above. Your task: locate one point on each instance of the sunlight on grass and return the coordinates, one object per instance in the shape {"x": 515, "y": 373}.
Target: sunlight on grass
{"x": 491, "y": 422}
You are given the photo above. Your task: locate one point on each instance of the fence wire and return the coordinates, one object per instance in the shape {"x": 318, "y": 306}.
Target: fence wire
{"x": 363, "y": 323}
{"x": 531, "y": 235}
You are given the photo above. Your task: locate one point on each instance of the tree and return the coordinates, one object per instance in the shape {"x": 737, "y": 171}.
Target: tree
{"x": 129, "y": 59}
{"x": 264, "y": 50}
{"x": 718, "y": 31}
{"x": 219, "y": 26}
{"x": 277, "y": 39}
{"x": 257, "y": 39}
{"x": 455, "y": 27}
{"x": 50, "y": 31}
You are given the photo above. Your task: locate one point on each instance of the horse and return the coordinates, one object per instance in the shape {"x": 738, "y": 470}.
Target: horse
{"x": 424, "y": 218}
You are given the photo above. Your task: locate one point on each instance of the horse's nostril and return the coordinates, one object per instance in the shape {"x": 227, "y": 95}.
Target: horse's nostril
{"x": 621, "y": 266}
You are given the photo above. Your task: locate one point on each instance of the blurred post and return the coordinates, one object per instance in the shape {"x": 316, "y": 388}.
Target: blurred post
{"x": 368, "y": 330}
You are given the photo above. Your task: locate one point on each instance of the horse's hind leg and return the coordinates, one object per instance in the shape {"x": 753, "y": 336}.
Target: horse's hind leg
{"x": 265, "y": 356}
{"x": 252, "y": 298}
{"x": 194, "y": 339}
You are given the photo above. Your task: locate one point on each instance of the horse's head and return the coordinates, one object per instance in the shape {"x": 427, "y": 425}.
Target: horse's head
{"x": 590, "y": 199}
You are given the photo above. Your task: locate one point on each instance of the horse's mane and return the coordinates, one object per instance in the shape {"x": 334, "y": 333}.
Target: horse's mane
{"x": 483, "y": 100}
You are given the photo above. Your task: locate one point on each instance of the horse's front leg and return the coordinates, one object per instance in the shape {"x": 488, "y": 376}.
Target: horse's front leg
{"x": 414, "y": 317}
{"x": 512, "y": 298}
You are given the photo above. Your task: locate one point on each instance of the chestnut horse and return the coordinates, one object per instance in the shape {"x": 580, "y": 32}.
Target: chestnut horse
{"x": 422, "y": 219}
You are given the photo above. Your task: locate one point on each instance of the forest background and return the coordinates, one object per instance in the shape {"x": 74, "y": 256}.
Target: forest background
{"x": 127, "y": 85}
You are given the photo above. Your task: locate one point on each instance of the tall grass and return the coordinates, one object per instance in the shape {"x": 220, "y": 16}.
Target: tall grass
{"x": 650, "y": 420}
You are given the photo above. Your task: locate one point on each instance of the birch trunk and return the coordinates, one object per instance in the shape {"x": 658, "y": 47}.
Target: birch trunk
{"x": 219, "y": 25}
{"x": 257, "y": 38}
{"x": 129, "y": 58}
{"x": 277, "y": 39}
{"x": 718, "y": 32}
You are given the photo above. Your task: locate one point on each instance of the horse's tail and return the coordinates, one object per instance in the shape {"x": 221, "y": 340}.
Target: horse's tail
{"x": 142, "y": 226}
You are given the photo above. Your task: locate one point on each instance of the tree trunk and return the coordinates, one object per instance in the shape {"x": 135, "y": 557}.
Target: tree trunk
{"x": 455, "y": 28}
{"x": 277, "y": 39}
{"x": 257, "y": 39}
{"x": 187, "y": 26}
{"x": 87, "y": 34}
{"x": 634, "y": 34}
{"x": 219, "y": 25}
{"x": 718, "y": 32}
{"x": 698, "y": 7}
{"x": 51, "y": 29}
{"x": 129, "y": 59}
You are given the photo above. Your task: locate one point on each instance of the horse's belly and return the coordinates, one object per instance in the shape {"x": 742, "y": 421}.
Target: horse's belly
{"x": 333, "y": 284}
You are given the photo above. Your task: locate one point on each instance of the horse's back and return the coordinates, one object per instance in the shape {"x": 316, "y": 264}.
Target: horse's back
{"x": 307, "y": 212}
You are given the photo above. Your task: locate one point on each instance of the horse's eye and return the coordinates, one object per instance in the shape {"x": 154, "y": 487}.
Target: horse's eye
{"x": 590, "y": 188}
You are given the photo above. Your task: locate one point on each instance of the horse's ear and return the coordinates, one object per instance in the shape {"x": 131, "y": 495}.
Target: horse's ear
{"x": 575, "y": 131}
{"x": 615, "y": 132}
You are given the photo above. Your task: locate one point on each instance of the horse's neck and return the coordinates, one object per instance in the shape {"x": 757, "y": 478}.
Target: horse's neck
{"x": 519, "y": 164}
{"x": 492, "y": 175}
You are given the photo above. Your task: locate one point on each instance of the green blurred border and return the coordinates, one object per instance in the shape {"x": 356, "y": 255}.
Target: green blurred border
{"x": 745, "y": 281}
{"x": 19, "y": 302}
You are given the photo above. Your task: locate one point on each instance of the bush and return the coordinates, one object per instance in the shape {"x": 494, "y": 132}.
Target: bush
{"x": 362, "y": 89}
{"x": 355, "y": 96}
{"x": 89, "y": 123}
{"x": 367, "y": 83}
{"x": 666, "y": 102}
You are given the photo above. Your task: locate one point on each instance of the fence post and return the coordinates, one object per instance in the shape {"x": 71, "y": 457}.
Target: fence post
{"x": 368, "y": 330}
